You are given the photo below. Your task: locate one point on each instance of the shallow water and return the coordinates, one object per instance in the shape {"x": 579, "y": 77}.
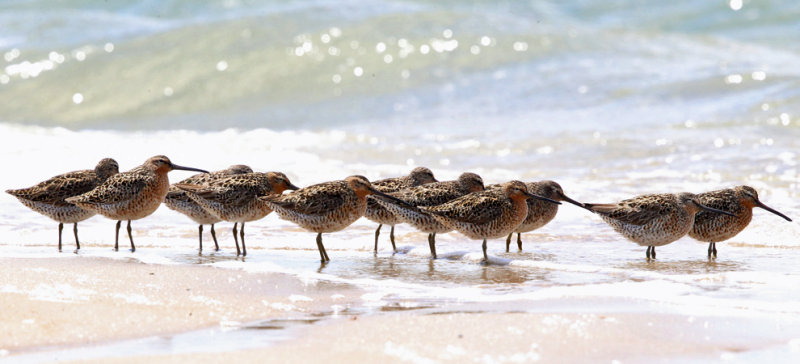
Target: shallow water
{"x": 610, "y": 100}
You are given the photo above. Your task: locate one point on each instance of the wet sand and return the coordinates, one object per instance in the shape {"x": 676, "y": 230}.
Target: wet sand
{"x": 54, "y": 304}
{"x": 514, "y": 337}
{"x": 80, "y": 301}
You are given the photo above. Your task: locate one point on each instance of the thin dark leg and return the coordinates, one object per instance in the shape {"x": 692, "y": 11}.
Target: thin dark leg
{"x": 485, "y": 256}
{"x": 647, "y": 253}
{"x": 432, "y": 244}
{"x": 508, "y": 241}
{"x": 236, "y": 238}
{"x": 519, "y": 241}
{"x": 60, "y": 228}
{"x": 710, "y": 249}
{"x": 116, "y": 237}
{"x": 241, "y": 235}
{"x": 391, "y": 237}
{"x": 214, "y": 236}
{"x": 653, "y": 252}
{"x": 200, "y": 236}
{"x": 377, "y": 234}
{"x": 75, "y": 230}
{"x": 323, "y": 255}
{"x": 715, "y": 250}
{"x": 133, "y": 248}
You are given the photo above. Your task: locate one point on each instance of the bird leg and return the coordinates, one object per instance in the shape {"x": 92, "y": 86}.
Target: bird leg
{"x": 116, "y": 237}
{"x": 647, "y": 253}
{"x": 519, "y": 241}
{"x": 200, "y": 237}
{"x": 432, "y": 244}
{"x": 236, "y": 238}
{"x": 241, "y": 235}
{"x": 133, "y": 248}
{"x": 60, "y": 227}
{"x": 391, "y": 237}
{"x": 377, "y": 233}
{"x": 75, "y": 230}
{"x": 485, "y": 256}
{"x": 214, "y": 236}
{"x": 508, "y": 241}
{"x": 322, "y": 253}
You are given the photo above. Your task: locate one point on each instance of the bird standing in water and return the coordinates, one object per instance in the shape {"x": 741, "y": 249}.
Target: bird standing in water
{"x": 49, "y": 197}
{"x": 489, "y": 214}
{"x": 131, "y": 195}
{"x": 178, "y": 200}
{"x": 430, "y": 194}
{"x": 714, "y": 228}
{"x": 377, "y": 213}
{"x": 326, "y": 207}
{"x": 236, "y": 198}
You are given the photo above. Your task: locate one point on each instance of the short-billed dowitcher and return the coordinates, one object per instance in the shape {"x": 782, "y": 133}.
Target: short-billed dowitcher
{"x": 131, "y": 195}
{"x": 178, "y": 200}
{"x": 431, "y": 194}
{"x": 49, "y": 197}
{"x": 488, "y": 214}
{"x": 377, "y": 213}
{"x": 539, "y": 212}
{"x": 653, "y": 220}
{"x": 326, "y": 207}
{"x": 236, "y": 198}
{"x": 713, "y": 228}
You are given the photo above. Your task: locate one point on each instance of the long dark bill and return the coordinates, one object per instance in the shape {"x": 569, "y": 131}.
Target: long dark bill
{"x": 576, "y": 203}
{"x": 770, "y": 209}
{"x": 175, "y": 166}
{"x": 542, "y": 198}
{"x": 704, "y": 207}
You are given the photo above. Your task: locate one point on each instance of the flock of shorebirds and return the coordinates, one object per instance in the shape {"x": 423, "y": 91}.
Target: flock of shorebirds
{"x": 239, "y": 195}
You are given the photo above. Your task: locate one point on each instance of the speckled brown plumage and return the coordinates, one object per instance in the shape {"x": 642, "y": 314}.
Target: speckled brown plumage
{"x": 235, "y": 198}
{"x": 179, "y": 201}
{"x": 540, "y": 213}
{"x": 377, "y": 213}
{"x": 651, "y": 220}
{"x": 713, "y": 228}
{"x": 325, "y": 207}
{"x": 131, "y": 195}
{"x": 49, "y": 197}
{"x": 431, "y": 194}
{"x": 488, "y": 214}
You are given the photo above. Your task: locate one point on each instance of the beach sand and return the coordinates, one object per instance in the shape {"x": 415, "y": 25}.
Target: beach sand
{"x": 57, "y": 304}
{"x": 78, "y": 301}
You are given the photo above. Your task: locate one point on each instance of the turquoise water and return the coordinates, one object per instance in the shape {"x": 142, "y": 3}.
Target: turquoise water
{"x": 610, "y": 99}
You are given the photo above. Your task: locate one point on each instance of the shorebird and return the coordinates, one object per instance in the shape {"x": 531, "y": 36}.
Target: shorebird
{"x": 178, "y": 200}
{"x": 539, "y": 212}
{"x": 714, "y": 228}
{"x": 489, "y": 214}
{"x": 236, "y": 198}
{"x": 326, "y": 207}
{"x": 377, "y": 213}
{"x": 49, "y": 197}
{"x": 431, "y": 194}
{"x": 131, "y": 195}
{"x": 653, "y": 220}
